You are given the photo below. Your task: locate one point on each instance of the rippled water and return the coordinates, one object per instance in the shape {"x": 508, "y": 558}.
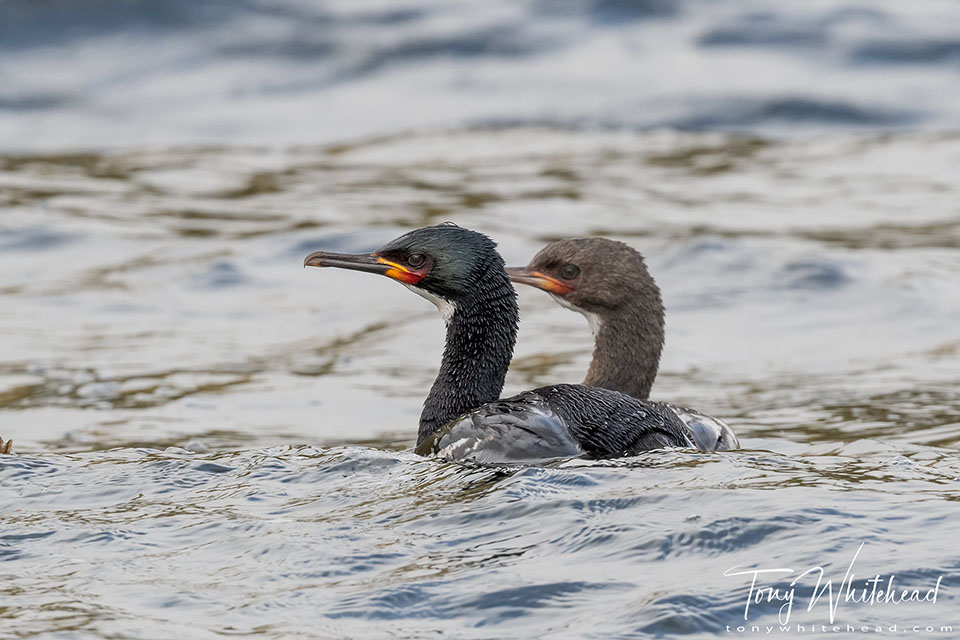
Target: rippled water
{"x": 140, "y": 72}
{"x": 214, "y": 441}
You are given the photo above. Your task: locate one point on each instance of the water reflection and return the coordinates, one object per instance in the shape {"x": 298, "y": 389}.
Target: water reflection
{"x": 191, "y": 405}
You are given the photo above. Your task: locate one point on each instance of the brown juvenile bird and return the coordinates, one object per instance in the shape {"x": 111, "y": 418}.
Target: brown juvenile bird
{"x": 6, "y": 447}
{"x": 608, "y": 282}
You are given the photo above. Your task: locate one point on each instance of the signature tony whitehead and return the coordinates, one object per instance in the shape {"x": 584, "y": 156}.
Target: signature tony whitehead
{"x": 875, "y": 591}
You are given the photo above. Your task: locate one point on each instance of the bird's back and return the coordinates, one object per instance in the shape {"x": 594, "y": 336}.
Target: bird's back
{"x": 559, "y": 421}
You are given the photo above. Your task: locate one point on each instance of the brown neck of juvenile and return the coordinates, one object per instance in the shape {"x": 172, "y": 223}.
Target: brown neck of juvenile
{"x": 627, "y": 346}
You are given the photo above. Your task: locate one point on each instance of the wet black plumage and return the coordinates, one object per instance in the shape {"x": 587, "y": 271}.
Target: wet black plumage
{"x": 608, "y": 423}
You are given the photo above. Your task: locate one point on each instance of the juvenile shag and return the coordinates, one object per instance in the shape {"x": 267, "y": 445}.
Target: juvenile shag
{"x": 608, "y": 282}
{"x": 460, "y": 272}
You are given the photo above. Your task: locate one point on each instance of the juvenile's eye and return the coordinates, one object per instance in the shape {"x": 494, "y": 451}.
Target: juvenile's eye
{"x": 569, "y": 272}
{"x": 416, "y": 259}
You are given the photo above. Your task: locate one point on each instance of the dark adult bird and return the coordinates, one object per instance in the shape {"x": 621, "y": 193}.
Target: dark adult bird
{"x": 460, "y": 272}
{"x": 608, "y": 282}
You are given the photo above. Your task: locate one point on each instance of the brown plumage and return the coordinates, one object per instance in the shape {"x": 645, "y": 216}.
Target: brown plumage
{"x": 608, "y": 282}
{"x": 612, "y": 287}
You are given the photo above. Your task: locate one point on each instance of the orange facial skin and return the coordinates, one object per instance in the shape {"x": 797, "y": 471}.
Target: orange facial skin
{"x": 400, "y": 272}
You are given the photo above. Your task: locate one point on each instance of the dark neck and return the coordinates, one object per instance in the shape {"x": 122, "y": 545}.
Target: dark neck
{"x": 480, "y": 338}
{"x": 627, "y": 346}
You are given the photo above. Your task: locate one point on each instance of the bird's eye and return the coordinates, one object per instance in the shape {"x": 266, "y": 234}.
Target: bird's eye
{"x": 569, "y": 272}
{"x": 416, "y": 259}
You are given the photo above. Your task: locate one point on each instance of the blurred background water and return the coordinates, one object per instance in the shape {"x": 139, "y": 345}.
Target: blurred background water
{"x": 136, "y": 72}
{"x": 213, "y": 441}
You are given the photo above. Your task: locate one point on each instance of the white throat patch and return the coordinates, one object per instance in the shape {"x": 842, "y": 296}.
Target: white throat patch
{"x": 444, "y": 306}
{"x": 592, "y": 318}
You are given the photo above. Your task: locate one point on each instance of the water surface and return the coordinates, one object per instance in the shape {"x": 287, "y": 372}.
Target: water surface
{"x": 134, "y": 73}
{"x": 215, "y": 441}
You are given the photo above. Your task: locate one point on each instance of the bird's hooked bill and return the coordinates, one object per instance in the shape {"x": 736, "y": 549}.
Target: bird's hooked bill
{"x": 538, "y": 279}
{"x": 366, "y": 262}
